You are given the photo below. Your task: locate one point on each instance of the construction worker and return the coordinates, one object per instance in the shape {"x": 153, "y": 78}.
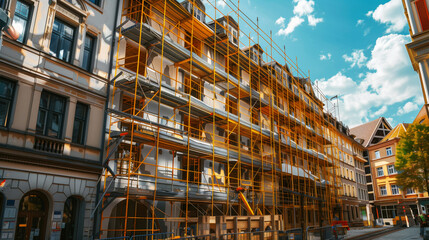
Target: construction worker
{"x": 422, "y": 219}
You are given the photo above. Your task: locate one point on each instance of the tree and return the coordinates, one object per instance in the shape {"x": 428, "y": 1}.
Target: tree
{"x": 412, "y": 158}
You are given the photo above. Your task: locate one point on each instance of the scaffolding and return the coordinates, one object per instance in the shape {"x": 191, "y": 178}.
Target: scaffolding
{"x": 208, "y": 133}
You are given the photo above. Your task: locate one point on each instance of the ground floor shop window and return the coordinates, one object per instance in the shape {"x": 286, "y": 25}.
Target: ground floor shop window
{"x": 388, "y": 211}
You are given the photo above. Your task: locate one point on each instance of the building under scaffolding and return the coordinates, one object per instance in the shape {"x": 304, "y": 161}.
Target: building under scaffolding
{"x": 208, "y": 132}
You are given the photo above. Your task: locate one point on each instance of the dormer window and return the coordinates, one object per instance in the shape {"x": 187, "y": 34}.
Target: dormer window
{"x": 198, "y": 14}
{"x": 255, "y": 55}
{"x": 232, "y": 33}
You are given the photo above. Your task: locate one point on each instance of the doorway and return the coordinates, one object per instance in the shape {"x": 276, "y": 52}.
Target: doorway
{"x": 32, "y": 216}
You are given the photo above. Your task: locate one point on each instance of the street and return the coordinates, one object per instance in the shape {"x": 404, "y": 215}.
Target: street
{"x": 407, "y": 233}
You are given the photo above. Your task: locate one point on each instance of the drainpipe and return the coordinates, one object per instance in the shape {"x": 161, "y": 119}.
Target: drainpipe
{"x": 97, "y": 217}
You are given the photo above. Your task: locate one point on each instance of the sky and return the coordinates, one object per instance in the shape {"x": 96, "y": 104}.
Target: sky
{"x": 352, "y": 49}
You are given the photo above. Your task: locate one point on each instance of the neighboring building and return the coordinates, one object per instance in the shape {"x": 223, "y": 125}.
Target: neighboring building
{"x": 353, "y": 194}
{"x": 53, "y": 89}
{"x": 390, "y": 199}
{"x": 423, "y": 116}
{"x": 369, "y": 134}
{"x": 417, "y": 15}
{"x": 210, "y": 131}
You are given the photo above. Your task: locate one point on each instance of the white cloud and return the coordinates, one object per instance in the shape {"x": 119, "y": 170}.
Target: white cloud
{"x": 388, "y": 80}
{"x": 312, "y": 21}
{"x": 293, "y": 23}
{"x": 379, "y": 112}
{"x": 303, "y": 7}
{"x": 221, "y": 3}
{"x": 391, "y": 121}
{"x": 325, "y": 57}
{"x": 281, "y": 21}
{"x": 338, "y": 84}
{"x": 407, "y": 108}
{"x": 357, "y": 58}
{"x": 369, "y": 14}
{"x": 391, "y": 14}
{"x": 361, "y": 75}
{"x": 359, "y": 22}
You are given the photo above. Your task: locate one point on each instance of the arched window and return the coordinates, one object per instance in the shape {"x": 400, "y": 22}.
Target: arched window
{"x": 72, "y": 219}
{"x": 32, "y": 216}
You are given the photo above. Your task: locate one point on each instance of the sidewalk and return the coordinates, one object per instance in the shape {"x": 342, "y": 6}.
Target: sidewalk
{"x": 412, "y": 233}
{"x": 353, "y": 232}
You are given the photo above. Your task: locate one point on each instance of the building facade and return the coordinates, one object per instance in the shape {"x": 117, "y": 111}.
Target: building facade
{"x": 390, "y": 199}
{"x": 208, "y": 130}
{"x": 369, "y": 134}
{"x": 416, "y": 12}
{"x": 53, "y": 91}
{"x": 349, "y": 153}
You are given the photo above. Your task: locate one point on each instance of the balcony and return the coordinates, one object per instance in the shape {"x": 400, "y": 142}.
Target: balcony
{"x": 47, "y": 144}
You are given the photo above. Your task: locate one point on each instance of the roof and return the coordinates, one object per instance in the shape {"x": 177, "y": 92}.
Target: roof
{"x": 422, "y": 117}
{"x": 396, "y": 132}
{"x": 367, "y": 130}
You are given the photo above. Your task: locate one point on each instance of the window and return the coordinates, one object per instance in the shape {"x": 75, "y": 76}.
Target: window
{"x": 3, "y": 4}
{"x": 388, "y": 211}
{"x": 377, "y": 154}
{"x": 422, "y": 13}
{"x": 7, "y": 89}
{"x": 79, "y": 126}
{"x": 62, "y": 41}
{"x": 410, "y": 191}
{"x": 96, "y": 2}
{"x": 383, "y": 190}
{"x": 380, "y": 172}
{"x": 389, "y": 151}
{"x": 391, "y": 169}
{"x": 395, "y": 189}
{"x": 88, "y": 53}
{"x": 51, "y": 115}
{"x": 20, "y": 20}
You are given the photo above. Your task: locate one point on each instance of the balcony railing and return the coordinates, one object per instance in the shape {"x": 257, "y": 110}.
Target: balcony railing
{"x": 50, "y": 145}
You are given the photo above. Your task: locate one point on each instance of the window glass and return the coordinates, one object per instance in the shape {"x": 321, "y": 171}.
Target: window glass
{"x": 7, "y": 89}
{"x": 51, "y": 115}
{"x": 79, "y": 127}
{"x": 96, "y": 2}
{"x": 377, "y": 154}
{"x": 62, "y": 41}
{"x": 20, "y": 20}
{"x": 389, "y": 151}
{"x": 380, "y": 172}
{"x": 391, "y": 169}
{"x": 383, "y": 190}
{"x": 395, "y": 189}
{"x": 410, "y": 191}
{"x": 3, "y": 4}
{"x": 88, "y": 53}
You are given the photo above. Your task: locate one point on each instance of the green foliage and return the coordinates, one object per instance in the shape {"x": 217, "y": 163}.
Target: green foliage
{"x": 412, "y": 158}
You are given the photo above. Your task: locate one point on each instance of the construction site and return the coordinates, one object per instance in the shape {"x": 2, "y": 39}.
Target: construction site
{"x": 213, "y": 130}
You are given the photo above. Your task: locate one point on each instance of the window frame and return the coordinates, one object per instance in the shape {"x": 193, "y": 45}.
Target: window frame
{"x": 410, "y": 191}
{"x": 395, "y": 188}
{"x": 91, "y": 51}
{"x": 389, "y": 167}
{"x": 84, "y": 121}
{"x": 61, "y": 37}
{"x": 28, "y": 20}
{"x": 48, "y": 115}
{"x": 383, "y": 189}
{"x": 389, "y": 151}
{"x": 95, "y": 2}
{"x": 3, "y": 4}
{"x": 378, "y": 172}
{"x": 377, "y": 154}
{"x": 11, "y": 100}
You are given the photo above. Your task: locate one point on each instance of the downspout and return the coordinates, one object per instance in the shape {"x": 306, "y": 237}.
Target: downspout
{"x": 97, "y": 217}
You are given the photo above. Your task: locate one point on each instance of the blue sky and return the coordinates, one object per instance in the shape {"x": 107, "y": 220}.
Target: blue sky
{"x": 354, "y": 49}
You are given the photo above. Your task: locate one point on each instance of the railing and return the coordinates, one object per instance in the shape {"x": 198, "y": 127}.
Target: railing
{"x": 46, "y": 144}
